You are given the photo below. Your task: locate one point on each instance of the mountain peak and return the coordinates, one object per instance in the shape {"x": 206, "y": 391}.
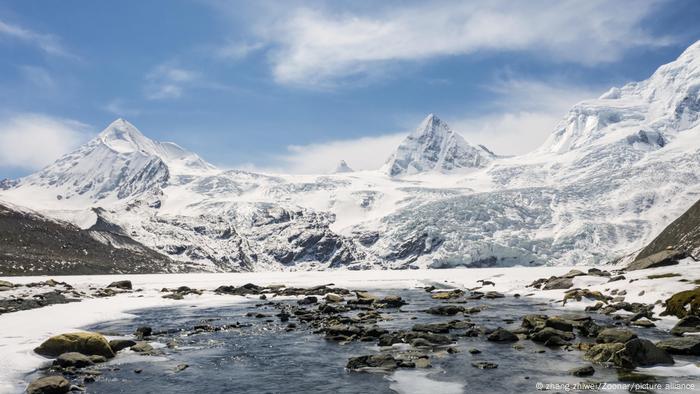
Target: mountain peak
{"x": 123, "y": 137}
{"x": 343, "y": 167}
{"x": 434, "y": 146}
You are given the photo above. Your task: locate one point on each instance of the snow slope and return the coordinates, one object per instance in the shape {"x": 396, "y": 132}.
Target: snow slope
{"x": 610, "y": 177}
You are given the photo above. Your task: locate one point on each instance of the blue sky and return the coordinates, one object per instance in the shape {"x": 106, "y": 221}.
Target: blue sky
{"x": 296, "y": 86}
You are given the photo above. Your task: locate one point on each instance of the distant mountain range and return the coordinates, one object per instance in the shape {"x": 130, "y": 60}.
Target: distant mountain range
{"x": 610, "y": 177}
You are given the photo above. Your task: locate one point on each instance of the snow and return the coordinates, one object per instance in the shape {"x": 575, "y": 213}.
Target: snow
{"x": 22, "y": 331}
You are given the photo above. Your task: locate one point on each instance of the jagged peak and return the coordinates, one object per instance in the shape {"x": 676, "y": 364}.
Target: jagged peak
{"x": 124, "y": 137}
{"x": 343, "y": 167}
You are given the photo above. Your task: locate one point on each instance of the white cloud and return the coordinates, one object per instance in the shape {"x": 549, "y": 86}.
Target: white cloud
{"x": 238, "y": 50}
{"x": 46, "y": 42}
{"x": 321, "y": 48}
{"x": 32, "y": 141}
{"x": 523, "y": 115}
{"x": 168, "y": 82}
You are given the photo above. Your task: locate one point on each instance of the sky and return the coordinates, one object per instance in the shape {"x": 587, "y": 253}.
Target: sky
{"x": 296, "y": 86}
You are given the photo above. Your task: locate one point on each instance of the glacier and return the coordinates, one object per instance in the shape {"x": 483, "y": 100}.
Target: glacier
{"x": 613, "y": 173}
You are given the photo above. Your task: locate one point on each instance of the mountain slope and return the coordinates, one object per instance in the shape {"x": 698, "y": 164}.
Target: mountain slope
{"x": 683, "y": 235}
{"x": 34, "y": 244}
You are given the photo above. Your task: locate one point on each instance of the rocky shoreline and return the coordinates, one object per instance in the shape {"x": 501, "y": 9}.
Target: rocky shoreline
{"x": 608, "y": 334}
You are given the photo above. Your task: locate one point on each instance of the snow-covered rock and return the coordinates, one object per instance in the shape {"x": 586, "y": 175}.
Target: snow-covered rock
{"x": 342, "y": 167}
{"x": 434, "y": 146}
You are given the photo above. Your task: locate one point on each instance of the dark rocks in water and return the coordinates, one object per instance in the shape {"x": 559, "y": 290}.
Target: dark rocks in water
{"x": 493, "y": 295}
{"x": 73, "y": 359}
{"x": 143, "y": 332}
{"x": 686, "y": 325}
{"x": 445, "y": 310}
{"x": 603, "y": 352}
{"x": 49, "y": 385}
{"x": 180, "y": 367}
{"x": 474, "y": 351}
{"x": 87, "y": 343}
{"x": 308, "y": 300}
{"x": 644, "y": 323}
{"x": 142, "y": 347}
{"x": 121, "y": 344}
{"x": 559, "y": 324}
{"x": 689, "y": 345}
{"x": 502, "y": 335}
{"x": 546, "y": 333}
{"x": 384, "y": 362}
{"x": 641, "y": 353}
{"x": 615, "y": 335}
{"x": 555, "y": 341}
{"x": 392, "y": 301}
{"x": 121, "y": 284}
{"x": 447, "y": 295}
{"x": 683, "y": 304}
{"x": 334, "y": 298}
{"x": 588, "y": 370}
{"x": 589, "y": 329}
{"x": 534, "y": 321}
{"x": 484, "y": 365}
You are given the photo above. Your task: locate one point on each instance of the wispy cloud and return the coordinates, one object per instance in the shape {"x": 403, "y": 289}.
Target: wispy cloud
{"x": 324, "y": 47}
{"x": 237, "y": 50}
{"x": 31, "y": 141}
{"x": 46, "y": 42}
{"x": 168, "y": 82}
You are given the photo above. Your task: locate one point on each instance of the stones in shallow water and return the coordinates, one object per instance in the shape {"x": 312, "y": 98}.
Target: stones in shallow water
{"x": 603, "y": 352}
{"x": 49, "y": 385}
{"x": 689, "y": 345}
{"x": 142, "y": 347}
{"x": 686, "y": 325}
{"x": 121, "y": 344}
{"x": 644, "y": 323}
{"x": 615, "y": 335}
{"x": 440, "y": 328}
{"x": 447, "y": 295}
{"x": 445, "y": 310}
{"x": 382, "y": 362}
{"x": 73, "y": 359}
{"x": 143, "y": 332}
{"x": 588, "y": 370}
{"x": 88, "y": 343}
{"x": 484, "y": 365}
{"x": 641, "y": 353}
{"x": 502, "y": 335}
{"x": 546, "y": 333}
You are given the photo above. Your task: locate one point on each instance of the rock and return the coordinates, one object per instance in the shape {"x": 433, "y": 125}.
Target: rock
{"x": 534, "y": 321}
{"x": 49, "y": 385}
{"x": 447, "y": 295}
{"x": 142, "y": 347}
{"x": 421, "y": 342}
{"x": 384, "y": 362}
{"x": 686, "y": 325}
{"x": 181, "y": 367}
{"x": 73, "y": 359}
{"x": 589, "y": 329}
{"x": 683, "y": 304}
{"x": 645, "y": 323}
{"x": 502, "y": 335}
{"x": 573, "y": 274}
{"x": 546, "y": 333}
{"x": 493, "y": 295}
{"x": 616, "y": 278}
{"x": 615, "y": 335}
{"x": 588, "y": 370}
{"x": 641, "y": 353}
{"x": 440, "y": 328}
{"x": 660, "y": 259}
{"x": 559, "y": 324}
{"x": 445, "y": 310}
{"x": 555, "y": 341}
{"x": 87, "y": 343}
{"x": 603, "y": 352}
{"x": 121, "y": 284}
{"x": 121, "y": 344}
{"x": 308, "y": 300}
{"x": 474, "y": 351}
{"x": 143, "y": 332}
{"x": 334, "y": 298}
{"x": 597, "y": 272}
{"x": 689, "y": 345}
{"x": 393, "y": 301}
{"x": 558, "y": 283}
{"x": 484, "y": 365}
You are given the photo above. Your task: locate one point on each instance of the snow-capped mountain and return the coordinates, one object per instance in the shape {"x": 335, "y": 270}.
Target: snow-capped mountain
{"x": 611, "y": 176}
{"x": 434, "y": 146}
{"x": 342, "y": 167}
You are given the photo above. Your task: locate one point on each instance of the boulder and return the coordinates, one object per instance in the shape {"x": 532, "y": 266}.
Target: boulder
{"x": 660, "y": 259}
{"x": 384, "y": 362}
{"x": 559, "y": 283}
{"x": 88, "y": 343}
{"x": 641, "y": 353}
{"x": 603, "y": 352}
{"x": 689, "y": 345}
{"x": 121, "y": 284}
{"x": 334, "y": 298}
{"x": 573, "y": 274}
{"x": 546, "y": 333}
{"x": 445, "y": 310}
{"x": 615, "y": 335}
{"x": 686, "y": 324}
{"x": 502, "y": 335}
{"x": 559, "y": 324}
{"x": 683, "y": 304}
{"x": 588, "y": 370}
{"x": 73, "y": 359}
{"x": 393, "y": 301}
{"x": 49, "y": 385}
{"x": 121, "y": 344}
{"x": 143, "y": 332}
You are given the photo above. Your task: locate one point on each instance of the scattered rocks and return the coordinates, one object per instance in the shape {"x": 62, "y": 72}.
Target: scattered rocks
{"x": 88, "y": 343}
{"x": 49, "y": 385}
{"x": 689, "y": 345}
{"x": 687, "y": 324}
{"x": 588, "y": 370}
